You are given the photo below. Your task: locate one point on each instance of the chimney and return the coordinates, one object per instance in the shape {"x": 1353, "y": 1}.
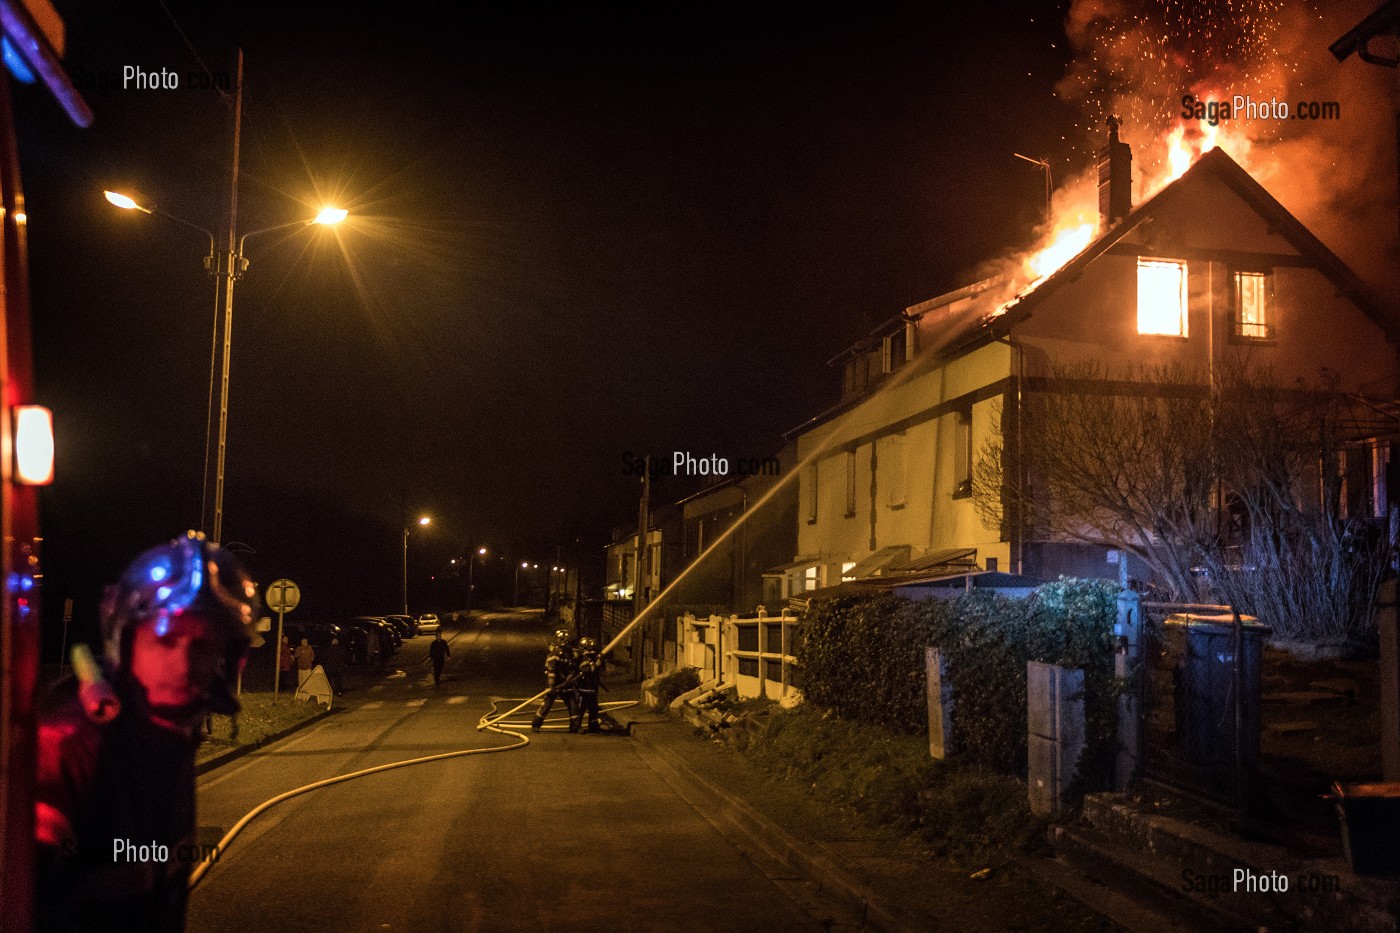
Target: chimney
{"x": 1115, "y": 178}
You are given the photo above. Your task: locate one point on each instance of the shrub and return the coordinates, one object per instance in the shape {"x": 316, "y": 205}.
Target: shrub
{"x": 672, "y": 684}
{"x": 863, "y": 659}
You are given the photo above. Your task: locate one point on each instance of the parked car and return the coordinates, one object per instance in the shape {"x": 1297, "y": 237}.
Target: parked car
{"x": 389, "y": 637}
{"x": 319, "y": 635}
{"x": 404, "y": 625}
{"x": 364, "y": 632}
{"x": 428, "y": 623}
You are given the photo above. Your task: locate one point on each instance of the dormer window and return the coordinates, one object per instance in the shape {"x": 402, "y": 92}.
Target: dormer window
{"x": 1162, "y": 297}
{"x": 1252, "y": 312}
{"x": 894, "y": 350}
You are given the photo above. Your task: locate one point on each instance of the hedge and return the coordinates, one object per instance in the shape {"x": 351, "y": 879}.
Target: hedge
{"x": 863, "y": 659}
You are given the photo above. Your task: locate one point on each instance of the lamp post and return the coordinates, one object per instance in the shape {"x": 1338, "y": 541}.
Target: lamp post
{"x": 471, "y": 570}
{"x": 524, "y": 566}
{"x": 422, "y": 522}
{"x": 226, "y": 267}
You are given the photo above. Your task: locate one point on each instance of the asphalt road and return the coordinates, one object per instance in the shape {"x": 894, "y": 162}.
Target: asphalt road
{"x": 569, "y": 832}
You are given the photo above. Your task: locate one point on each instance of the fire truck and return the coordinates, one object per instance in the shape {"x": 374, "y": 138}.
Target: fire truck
{"x": 32, "y": 45}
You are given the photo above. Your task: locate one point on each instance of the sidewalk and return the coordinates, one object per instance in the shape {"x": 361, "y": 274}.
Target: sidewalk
{"x": 881, "y": 879}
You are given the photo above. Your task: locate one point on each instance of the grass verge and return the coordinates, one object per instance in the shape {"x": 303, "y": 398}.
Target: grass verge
{"x": 961, "y": 812}
{"x": 260, "y": 718}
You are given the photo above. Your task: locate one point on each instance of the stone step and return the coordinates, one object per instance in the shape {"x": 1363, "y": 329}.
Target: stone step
{"x": 1147, "y": 881}
{"x": 1321, "y": 894}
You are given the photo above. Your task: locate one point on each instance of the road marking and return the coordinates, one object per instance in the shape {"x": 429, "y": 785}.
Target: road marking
{"x": 372, "y": 705}
{"x": 455, "y": 700}
{"x": 416, "y": 702}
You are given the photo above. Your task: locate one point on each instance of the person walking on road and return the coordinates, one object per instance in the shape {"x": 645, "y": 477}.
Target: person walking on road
{"x": 439, "y": 651}
{"x": 333, "y": 659}
{"x": 306, "y": 660}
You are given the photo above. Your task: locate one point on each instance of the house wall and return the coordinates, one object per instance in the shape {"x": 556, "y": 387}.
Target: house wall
{"x": 923, "y": 407}
{"x": 1319, "y": 335}
{"x": 1094, "y": 319}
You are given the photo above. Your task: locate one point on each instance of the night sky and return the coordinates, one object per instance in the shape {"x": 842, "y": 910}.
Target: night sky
{"x": 570, "y": 238}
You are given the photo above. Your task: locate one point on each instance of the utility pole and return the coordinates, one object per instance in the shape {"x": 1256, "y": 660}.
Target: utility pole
{"x": 228, "y": 266}
{"x": 639, "y": 595}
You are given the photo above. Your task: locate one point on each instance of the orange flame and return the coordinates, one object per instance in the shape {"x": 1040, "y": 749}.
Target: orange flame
{"x": 1074, "y": 210}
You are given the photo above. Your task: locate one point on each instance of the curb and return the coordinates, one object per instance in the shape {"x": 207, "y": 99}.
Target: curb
{"x": 808, "y": 858}
{"x": 233, "y": 754}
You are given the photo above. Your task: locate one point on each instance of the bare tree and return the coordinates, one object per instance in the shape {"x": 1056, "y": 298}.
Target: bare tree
{"x": 1115, "y": 463}
{"x": 1226, "y": 485}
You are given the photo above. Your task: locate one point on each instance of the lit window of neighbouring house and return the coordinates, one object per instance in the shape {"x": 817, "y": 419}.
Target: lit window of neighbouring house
{"x": 1162, "y": 297}
{"x": 846, "y": 570}
{"x": 812, "y": 579}
{"x": 1252, "y": 305}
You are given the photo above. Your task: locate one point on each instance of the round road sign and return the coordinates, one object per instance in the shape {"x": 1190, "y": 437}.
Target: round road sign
{"x": 283, "y": 595}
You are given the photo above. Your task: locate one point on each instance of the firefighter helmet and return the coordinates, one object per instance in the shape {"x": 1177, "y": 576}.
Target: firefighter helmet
{"x": 188, "y": 574}
{"x": 587, "y": 644}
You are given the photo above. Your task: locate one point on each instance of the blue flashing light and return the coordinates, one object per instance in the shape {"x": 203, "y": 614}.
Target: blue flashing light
{"x": 162, "y": 625}
{"x": 13, "y": 61}
{"x": 163, "y": 593}
{"x": 26, "y": 583}
{"x": 12, "y": 581}
{"x": 159, "y": 572}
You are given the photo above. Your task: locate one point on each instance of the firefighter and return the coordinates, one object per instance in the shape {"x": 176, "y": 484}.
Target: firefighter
{"x": 560, "y": 675}
{"x": 588, "y": 681}
{"x": 115, "y": 791}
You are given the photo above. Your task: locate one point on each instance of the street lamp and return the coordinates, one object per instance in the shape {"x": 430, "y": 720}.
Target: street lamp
{"x": 471, "y": 569}
{"x": 228, "y": 266}
{"x": 525, "y": 565}
{"x": 422, "y": 522}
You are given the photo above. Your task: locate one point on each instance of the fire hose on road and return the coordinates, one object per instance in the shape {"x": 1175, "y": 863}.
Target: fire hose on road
{"x": 485, "y": 724}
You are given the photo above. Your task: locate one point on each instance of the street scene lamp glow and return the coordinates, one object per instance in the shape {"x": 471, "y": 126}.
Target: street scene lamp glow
{"x": 122, "y": 201}
{"x": 331, "y": 215}
{"x": 481, "y": 551}
{"x": 424, "y": 520}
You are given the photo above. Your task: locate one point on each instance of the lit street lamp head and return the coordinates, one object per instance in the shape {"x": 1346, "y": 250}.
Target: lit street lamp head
{"x": 332, "y": 215}
{"x": 122, "y": 201}
{"x": 424, "y": 520}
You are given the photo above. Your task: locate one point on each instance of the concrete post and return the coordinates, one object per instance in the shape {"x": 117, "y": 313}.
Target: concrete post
{"x": 1128, "y": 633}
{"x": 1388, "y": 626}
{"x": 940, "y": 704}
{"x": 1055, "y": 720}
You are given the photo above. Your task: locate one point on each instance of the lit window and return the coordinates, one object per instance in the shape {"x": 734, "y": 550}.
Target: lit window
{"x": 1162, "y": 297}
{"x": 846, "y": 569}
{"x": 1252, "y": 305}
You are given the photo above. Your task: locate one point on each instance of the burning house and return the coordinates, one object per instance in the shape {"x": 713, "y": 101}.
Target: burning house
{"x": 1208, "y": 272}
